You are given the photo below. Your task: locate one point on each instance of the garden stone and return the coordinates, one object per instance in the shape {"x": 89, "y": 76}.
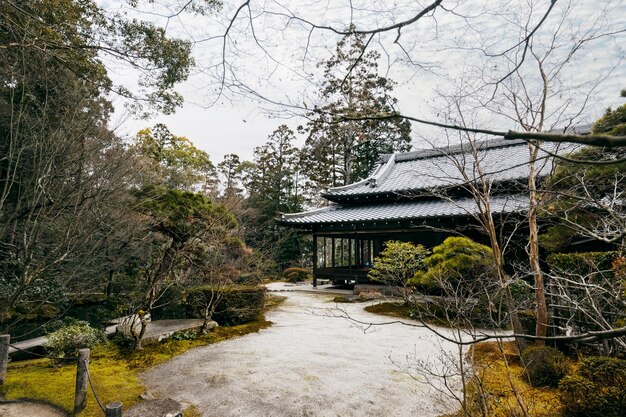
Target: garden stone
{"x": 166, "y": 407}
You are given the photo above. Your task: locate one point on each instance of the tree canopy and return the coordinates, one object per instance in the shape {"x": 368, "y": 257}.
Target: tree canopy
{"x": 338, "y": 151}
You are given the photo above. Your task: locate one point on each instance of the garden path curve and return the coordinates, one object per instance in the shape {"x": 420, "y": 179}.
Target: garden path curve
{"x": 308, "y": 364}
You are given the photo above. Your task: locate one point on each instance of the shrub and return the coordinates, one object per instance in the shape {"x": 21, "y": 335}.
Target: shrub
{"x": 603, "y": 271}
{"x": 398, "y": 262}
{"x": 582, "y": 264}
{"x": 237, "y": 304}
{"x": 170, "y": 305}
{"x": 544, "y": 366}
{"x": 597, "y": 389}
{"x": 456, "y": 260}
{"x": 66, "y": 341}
{"x": 296, "y": 274}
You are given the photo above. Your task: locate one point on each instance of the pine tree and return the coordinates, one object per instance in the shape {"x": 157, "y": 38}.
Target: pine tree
{"x": 338, "y": 152}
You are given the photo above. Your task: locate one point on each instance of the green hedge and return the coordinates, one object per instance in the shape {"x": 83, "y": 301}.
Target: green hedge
{"x": 170, "y": 305}
{"x": 238, "y": 303}
{"x": 582, "y": 263}
{"x": 544, "y": 366}
{"x": 296, "y": 274}
{"x": 597, "y": 389}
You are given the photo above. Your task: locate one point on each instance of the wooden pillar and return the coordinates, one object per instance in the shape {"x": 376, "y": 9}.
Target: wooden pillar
{"x": 80, "y": 396}
{"x": 314, "y": 261}
{"x": 332, "y": 258}
{"x": 350, "y": 246}
{"x": 5, "y": 339}
{"x": 113, "y": 410}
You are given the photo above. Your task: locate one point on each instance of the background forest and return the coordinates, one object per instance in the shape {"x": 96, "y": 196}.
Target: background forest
{"x": 85, "y": 212}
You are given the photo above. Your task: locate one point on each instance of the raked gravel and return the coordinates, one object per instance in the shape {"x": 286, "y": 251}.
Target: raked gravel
{"x": 310, "y": 364}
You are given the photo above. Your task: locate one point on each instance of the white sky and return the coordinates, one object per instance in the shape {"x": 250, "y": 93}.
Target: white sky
{"x": 279, "y": 70}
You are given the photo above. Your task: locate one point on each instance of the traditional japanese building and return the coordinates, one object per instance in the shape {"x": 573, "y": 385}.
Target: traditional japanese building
{"x": 422, "y": 197}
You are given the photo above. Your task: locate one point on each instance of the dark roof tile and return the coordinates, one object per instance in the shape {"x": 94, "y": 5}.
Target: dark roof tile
{"x": 408, "y": 210}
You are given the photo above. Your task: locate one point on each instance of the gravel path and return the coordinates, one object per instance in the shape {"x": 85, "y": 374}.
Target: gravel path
{"x": 23, "y": 409}
{"x": 306, "y": 364}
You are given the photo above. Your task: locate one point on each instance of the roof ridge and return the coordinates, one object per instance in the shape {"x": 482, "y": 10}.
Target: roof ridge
{"x": 426, "y": 153}
{"x": 308, "y": 212}
{"x": 380, "y": 175}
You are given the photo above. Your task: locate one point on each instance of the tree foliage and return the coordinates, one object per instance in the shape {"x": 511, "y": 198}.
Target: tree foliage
{"x": 74, "y": 33}
{"x": 337, "y": 151}
{"x": 458, "y": 260}
{"x": 65, "y": 220}
{"x": 588, "y": 199}
{"x": 398, "y": 263}
{"x": 274, "y": 184}
{"x": 174, "y": 161}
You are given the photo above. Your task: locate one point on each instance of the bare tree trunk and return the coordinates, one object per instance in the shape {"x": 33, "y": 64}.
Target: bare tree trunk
{"x": 541, "y": 309}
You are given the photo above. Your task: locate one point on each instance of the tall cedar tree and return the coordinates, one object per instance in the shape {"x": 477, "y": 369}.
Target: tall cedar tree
{"x": 274, "y": 185}
{"x": 338, "y": 152}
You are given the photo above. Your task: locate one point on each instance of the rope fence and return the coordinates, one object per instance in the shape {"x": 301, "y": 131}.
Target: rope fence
{"x": 83, "y": 376}
{"x": 39, "y": 355}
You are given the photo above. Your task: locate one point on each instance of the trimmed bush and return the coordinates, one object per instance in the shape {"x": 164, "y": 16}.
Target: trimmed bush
{"x": 296, "y": 274}
{"x": 544, "y": 366}
{"x": 597, "y": 389}
{"x": 605, "y": 271}
{"x": 69, "y": 339}
{"x": 456, "y": 260}
{"x": 238, "y": 304}
{"x": 583, "y": 263}
{"x": 398, "y": 263}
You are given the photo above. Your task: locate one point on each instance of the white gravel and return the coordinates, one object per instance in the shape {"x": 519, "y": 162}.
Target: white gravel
{"x": 25, "y": 409}
{"x": 308, "y": 364}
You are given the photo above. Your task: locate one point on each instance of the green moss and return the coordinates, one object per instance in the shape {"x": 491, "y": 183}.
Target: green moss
{"x": 429, "y": 315}
{"x": 113, "y": 379}
{"x": 402, "y": 310}
{"x": 192, "y": 411}
{"x": 114, "y": 371}
{"x": 342, "y": 299}
{"x": 272, "y": 300}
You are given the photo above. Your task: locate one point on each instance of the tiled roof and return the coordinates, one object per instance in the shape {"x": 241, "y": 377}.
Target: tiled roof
{"x": 408, "y": 210}
{"x": 426, "y": 169}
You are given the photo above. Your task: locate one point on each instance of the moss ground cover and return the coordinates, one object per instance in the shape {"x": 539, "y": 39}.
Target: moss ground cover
{"x": 401, "y": 310}
{"x": 114, "y": 370}
{"x": 410, "y": 311}
{"x": 494, "y": 363}
{"x": 499, "y": 369}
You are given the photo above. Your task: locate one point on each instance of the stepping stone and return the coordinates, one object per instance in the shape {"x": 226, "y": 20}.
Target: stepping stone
{"x": 156, "y": 408}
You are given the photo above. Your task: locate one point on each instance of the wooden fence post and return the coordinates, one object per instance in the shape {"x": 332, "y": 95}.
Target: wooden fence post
{"x": 113, "y": 410}
{"x": 5, "y": 339}
{"x": 80, "y": 397}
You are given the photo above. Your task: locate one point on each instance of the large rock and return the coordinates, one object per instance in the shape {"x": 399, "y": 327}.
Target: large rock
{"x": 156, "y": 408}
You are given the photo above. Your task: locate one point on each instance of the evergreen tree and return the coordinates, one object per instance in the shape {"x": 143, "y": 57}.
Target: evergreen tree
{"x": 274, "y": 184}
{"x": 588, "y": 198}
{"x": 339, "y": 151}
{"x": 230, "y": 170}
{"x": 174, "y": 161}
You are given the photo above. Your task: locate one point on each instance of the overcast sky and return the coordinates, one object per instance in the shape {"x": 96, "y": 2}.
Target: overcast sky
{"x": 270, "y": 58}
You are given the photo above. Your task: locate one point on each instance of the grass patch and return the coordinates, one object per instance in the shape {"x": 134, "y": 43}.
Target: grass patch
{"x": 114, "y": 371}
{"x": 39, "y": 380}
{"x": 192, "y": 411}
{"x": 401, "y": 310}
{"x": 499, "y": 373}
{"x": 410, "y": 311}
{"x": 272, "y": 301}
{"x": 344, "y": 299}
